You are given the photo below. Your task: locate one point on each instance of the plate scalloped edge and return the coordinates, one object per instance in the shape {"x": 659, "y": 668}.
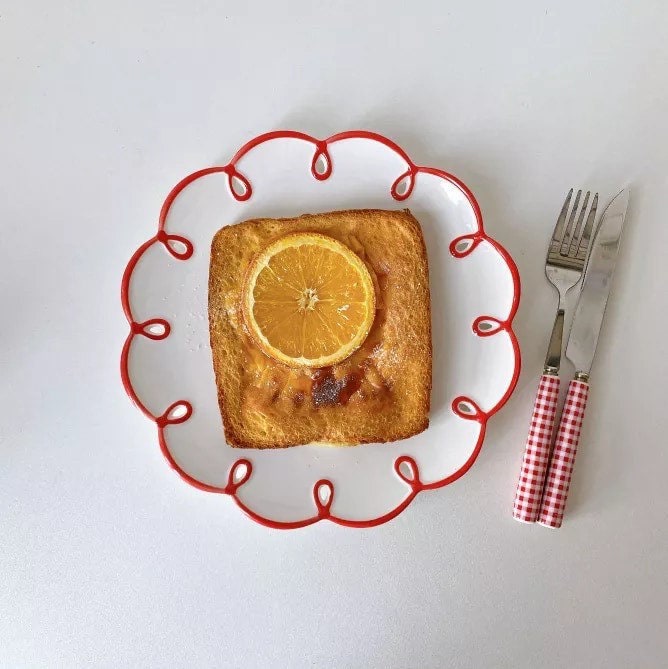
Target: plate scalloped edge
{"x": 181, "y": 249}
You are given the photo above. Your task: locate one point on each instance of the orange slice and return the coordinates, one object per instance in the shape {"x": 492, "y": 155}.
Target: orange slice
{"x": 308, "y": 300}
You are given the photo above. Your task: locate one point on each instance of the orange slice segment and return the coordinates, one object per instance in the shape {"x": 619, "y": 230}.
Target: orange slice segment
{"x": 308, "y": 300}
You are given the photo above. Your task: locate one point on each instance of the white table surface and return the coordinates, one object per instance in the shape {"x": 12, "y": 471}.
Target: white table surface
{"x": 107, "y": 558}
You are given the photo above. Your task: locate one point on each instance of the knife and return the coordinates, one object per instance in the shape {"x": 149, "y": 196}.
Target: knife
{"x": 580, "y": 350}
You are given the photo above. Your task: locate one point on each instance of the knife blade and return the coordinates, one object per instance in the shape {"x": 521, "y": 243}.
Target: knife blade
{"x": 593, "y": 298}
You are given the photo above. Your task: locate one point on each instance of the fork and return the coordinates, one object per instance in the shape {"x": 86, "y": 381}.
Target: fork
{"x": 566, "y": 260}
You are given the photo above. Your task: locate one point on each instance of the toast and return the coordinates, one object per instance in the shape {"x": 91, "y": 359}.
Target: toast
{"x": 380, "y": 393}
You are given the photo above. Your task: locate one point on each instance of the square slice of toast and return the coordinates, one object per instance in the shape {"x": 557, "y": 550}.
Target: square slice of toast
{"x": 380, "y": 393}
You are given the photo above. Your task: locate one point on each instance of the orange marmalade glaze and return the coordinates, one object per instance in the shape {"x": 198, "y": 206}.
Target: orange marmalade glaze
{"x": 272, "y": 385}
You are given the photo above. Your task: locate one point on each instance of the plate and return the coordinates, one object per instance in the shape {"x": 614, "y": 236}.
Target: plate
{"x": 166, "y": 363}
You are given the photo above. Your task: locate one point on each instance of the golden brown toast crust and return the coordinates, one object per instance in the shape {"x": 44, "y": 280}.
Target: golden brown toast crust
{"x": 381, "y": 393}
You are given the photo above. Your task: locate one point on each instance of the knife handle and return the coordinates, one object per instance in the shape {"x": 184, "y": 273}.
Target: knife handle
{"x": 537, "y": 451}
{"x": 563, "y": 456}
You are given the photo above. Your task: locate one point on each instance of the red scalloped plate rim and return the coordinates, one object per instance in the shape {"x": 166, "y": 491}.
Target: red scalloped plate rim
{"x": 323, "y": 510}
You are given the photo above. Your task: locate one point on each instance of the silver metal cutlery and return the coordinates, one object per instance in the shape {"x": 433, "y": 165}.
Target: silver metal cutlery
{"x": 580, "y": 350}
{"x": 541, "y": 494}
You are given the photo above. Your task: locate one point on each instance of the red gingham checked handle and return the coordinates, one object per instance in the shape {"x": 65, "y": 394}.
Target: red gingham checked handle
{"x": 537, "y": 451}
{"x": 563, "y": 456}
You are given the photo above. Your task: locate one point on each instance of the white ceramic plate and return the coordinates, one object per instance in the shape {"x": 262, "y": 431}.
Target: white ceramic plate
{"x": 166, "y": 361}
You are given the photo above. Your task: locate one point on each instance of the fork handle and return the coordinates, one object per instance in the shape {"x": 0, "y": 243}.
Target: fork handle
{"x": 537, "y": 450}
{"x": 563, "y": 456}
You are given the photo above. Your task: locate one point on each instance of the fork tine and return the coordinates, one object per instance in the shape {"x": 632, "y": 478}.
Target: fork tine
{"x": 577, "y": 233}
{"x": 589, "y": 226}
{"x": 558, "y": 234}
{"x": 568, "y": 235}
